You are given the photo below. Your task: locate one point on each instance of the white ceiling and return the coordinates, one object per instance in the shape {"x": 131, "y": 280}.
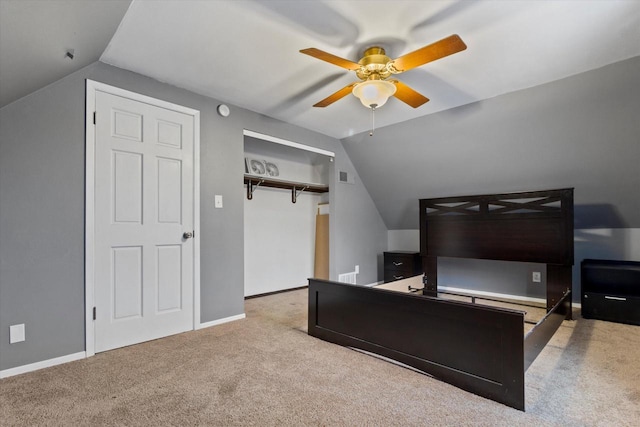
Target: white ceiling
{"x": 245, "y": 52}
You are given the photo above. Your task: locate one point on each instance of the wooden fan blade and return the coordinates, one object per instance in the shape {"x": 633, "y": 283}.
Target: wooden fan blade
{"x": 407, "y": 95}
{"x": 440, "y": 49}
{"x": 335, "y": 60}
{"x": 336, "y": 96}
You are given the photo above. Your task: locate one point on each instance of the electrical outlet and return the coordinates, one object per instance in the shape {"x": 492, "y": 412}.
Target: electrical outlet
{"x": 217, "y": 201}
{"x": 536, "y": 277}
{"x": 357, "y": 269}
{"x": 16, "y": 333}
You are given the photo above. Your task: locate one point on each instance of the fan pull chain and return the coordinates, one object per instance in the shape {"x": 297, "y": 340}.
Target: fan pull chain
{"x": 373, "y": 119}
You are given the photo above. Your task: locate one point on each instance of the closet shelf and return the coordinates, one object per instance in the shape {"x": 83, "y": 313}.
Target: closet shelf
{"x": 296, "y": 188}
{"x": 287, "y": 185}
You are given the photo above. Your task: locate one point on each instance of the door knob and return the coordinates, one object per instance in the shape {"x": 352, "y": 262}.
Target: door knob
{"x": 187, "y": 235}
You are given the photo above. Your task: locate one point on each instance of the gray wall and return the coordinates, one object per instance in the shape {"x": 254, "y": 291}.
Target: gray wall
{"x": 42, "y": 210}
{"x": 582, "y": 131}
{"x": 367, "y": 247}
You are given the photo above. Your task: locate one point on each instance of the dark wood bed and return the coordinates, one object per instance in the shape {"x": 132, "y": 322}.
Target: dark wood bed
{"x": 475, "y": 347}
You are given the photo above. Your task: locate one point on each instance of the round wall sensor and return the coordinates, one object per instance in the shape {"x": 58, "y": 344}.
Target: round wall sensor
{"x": 223, "y": 110}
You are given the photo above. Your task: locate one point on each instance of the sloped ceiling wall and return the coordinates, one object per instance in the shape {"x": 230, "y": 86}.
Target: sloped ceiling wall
{"x": 36, "y": 35}
{"x": 582, "y": 132}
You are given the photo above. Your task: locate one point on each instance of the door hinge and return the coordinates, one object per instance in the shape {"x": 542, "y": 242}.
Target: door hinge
{"x": 94, "y": 313}
{"x": 94, "y": 117}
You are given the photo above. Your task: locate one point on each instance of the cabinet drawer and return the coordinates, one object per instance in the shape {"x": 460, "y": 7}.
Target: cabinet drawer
{"x": 399, "y": 262}
{"x": 390, "y": 276}
{"x": 614, "y": 308}
{"x": 401, "y": 265}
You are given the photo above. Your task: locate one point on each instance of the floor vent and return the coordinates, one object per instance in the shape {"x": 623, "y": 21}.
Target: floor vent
{"x": 347, "y": 278}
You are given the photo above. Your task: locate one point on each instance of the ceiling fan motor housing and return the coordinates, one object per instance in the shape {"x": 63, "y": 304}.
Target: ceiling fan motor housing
{"x": 373, "y": 65}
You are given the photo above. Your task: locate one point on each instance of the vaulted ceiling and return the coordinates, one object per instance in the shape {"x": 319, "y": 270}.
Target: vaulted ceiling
{"x": 245, "y": 52}
{"x": 36, "y": 35}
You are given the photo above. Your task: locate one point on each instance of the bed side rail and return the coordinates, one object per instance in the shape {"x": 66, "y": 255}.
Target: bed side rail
{"x": 539, "y": 336}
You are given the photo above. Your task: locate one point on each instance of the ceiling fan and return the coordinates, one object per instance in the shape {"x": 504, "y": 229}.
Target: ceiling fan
{"x": 375, "y": 68}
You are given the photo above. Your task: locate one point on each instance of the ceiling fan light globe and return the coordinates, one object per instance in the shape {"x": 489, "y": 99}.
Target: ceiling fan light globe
{"x": 374, "y": 92}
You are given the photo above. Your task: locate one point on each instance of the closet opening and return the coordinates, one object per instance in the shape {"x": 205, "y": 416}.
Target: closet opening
{"x": 286, "y": 213}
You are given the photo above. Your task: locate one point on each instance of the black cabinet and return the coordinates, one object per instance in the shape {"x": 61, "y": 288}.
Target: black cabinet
{"x": 401, "y": 264}
{"x": 611, "y": 290}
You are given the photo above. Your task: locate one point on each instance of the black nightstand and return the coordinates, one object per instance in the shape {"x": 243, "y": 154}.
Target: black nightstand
{"x": 611, "y": 290}
{"x": 401, "y": 265}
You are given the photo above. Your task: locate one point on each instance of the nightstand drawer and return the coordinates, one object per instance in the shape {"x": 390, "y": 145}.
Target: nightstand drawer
{"x": 401, "y": 265}
{"x": 399, "y": 261}
{"x": 390, "y": 276}
{"x": 622, "y": 309}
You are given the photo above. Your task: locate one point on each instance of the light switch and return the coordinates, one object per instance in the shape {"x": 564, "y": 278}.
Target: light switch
{"x": 218, "y": 201}
{"x": 16, "y": 333}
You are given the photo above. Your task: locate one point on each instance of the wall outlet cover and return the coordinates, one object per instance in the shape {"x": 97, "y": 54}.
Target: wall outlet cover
{"x": 217, "y": 201}
{"x": 536, "y": 277}
{"x": 16, "y": 333}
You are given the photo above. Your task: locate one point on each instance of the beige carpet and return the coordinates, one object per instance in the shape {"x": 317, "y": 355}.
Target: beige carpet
{"x": 266, "y": 371}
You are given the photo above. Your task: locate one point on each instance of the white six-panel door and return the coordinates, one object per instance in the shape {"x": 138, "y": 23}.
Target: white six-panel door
{"x": 143, "y": 269}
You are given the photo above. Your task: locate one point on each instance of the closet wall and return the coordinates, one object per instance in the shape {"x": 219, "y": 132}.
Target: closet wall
{"x": 279, "y": 236}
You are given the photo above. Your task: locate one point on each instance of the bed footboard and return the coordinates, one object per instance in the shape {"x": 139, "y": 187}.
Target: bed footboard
{"x": 476, "y": 348}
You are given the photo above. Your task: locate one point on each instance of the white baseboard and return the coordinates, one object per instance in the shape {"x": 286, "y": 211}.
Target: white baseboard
{"x": 43, "y": 364}
{"x": 541, "y": 301}
{"x": 221, "y": 321}
{"x": 493, "y": 295}
{"x": 82, "y": 354}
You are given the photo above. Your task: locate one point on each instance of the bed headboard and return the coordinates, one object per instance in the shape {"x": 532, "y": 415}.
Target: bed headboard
{"x": 533, "y": 226}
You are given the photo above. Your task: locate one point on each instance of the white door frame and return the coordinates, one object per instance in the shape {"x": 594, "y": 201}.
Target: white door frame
{"x": 90, "y": 146}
